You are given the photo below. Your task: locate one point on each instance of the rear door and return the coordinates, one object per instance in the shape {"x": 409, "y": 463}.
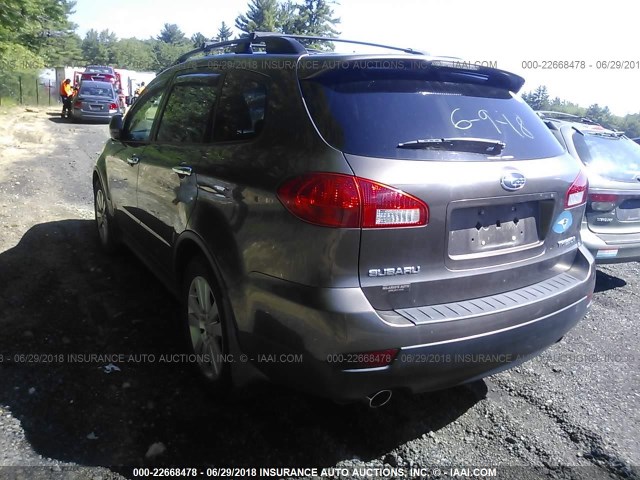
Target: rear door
{"x": 167, "y": 188}
{"x": 504, "y": 200}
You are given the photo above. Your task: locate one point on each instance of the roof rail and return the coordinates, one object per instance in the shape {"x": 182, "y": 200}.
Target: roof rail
{"x": 550, "y": 114}
{"x": 339, "y": 40}
{"x": 280, "y": 43}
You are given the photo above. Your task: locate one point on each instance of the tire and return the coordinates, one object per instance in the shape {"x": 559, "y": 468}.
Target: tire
{"x": 105, "y": 224}
{"x": 205, "y": 326}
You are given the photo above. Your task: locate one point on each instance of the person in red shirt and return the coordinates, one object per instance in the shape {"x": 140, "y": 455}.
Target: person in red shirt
{"x": 66, "y": 92}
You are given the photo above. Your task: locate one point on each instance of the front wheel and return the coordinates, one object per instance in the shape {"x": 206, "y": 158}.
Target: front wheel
{"x": 205, "y": 325}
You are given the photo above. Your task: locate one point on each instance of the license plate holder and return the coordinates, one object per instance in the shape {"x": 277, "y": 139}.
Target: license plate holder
{"x": 484, "y": 229}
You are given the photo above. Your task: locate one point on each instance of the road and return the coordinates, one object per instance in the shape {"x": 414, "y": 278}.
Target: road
{"x": 69, "y": 315}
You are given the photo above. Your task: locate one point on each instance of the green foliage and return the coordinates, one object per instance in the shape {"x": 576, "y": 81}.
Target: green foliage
{"x": 134, "y": 54}
{"x": 14, "y": 57}
{"x": 197, "y": 39}
{"x": 31, "y": 31}
{"x": 63, "y": 50}
{"x": 97, "y": 47}
{"x": 538, "y": 99}
{"x": 167, "y": 53}
{"x": 224, "y": 33}
{"x": 172, "y": 34}
{"x": 629, "y": 124}
{"x": 310, "y": 17}
{"x": 262, "y": 16}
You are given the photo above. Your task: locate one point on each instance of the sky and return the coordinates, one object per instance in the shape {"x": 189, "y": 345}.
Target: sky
{"x": 537, "y": 39}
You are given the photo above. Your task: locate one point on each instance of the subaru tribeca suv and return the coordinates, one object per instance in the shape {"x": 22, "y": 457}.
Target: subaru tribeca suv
{"x": 348, "y": 225}
{"x": 611, "y": 225}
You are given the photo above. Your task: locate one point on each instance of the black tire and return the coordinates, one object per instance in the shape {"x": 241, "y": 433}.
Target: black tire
{"x": 205, "y": 324}
{"x": 105, "y": 224}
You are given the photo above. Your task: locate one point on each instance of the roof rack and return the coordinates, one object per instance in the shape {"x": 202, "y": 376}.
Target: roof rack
{"x": 550, "y": 114}
{"x": 279, "y": 43}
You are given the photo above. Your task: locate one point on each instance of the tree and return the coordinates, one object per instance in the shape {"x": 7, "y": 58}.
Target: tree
{"x": 198, "y": 39}
{"x": 262, "y": 16}
{"x": 172, "y": 34}
{"x": 167, "y": 53}
{"x": 99, "y": 48}
{"x": 28, "y": 29}
{"x": 93, "y": 49}
{"x": 601, "y": 115}
{"x": 62, "y": 50}
{"x": 224, "y": 33}
{"x": 134, "y": 54}
{"x": 311, "y": 17}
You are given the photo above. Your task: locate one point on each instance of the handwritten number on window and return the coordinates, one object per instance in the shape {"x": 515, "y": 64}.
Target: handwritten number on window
{"x": 483, "y": 116}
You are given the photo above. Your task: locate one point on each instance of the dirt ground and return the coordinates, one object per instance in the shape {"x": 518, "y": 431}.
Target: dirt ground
{"x": 90, "y": 388}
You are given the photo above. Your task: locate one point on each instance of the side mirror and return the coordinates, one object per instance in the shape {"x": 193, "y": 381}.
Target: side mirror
{"x": 115, "y": 127}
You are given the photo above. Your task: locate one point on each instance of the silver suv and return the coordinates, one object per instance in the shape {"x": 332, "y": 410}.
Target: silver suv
{"x": 348, "y": 225}
{"x": 611, "y": 225}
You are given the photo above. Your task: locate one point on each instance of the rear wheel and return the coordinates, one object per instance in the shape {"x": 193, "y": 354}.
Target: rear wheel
{"x": 104, "y": 222}
{"x": 205, "y": 324}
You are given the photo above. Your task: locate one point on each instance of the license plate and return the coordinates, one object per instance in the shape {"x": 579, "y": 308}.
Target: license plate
{"x": 494, "y": 227}
{"x": 95, "y": 107}
{"x": 629, "y": 210}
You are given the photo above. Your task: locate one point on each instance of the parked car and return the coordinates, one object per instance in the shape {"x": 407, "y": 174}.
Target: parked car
{"x": 348, "y": 225}
{"x": 95, "y": 101}
{"x": 100, "y": 73}
{"x": 611, "y": 226}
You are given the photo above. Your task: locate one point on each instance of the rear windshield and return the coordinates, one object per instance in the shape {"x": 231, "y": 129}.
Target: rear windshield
{"x": 97, "y": 90}
{"x": 372, "y": 117}
{"x": 610, "y": 156}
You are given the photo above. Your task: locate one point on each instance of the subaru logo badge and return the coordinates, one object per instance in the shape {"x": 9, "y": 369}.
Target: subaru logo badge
{"x": 512, "y": 181}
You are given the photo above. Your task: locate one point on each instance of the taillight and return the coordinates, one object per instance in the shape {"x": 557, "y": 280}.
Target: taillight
{"x": 603, "y": 202}
{"x": 78, "y": 104}
{"x": 387, "y": 207}
{"x": 113, "y": 106}
{"x": 577, "y": 193}
{"x": 337, "y": 200}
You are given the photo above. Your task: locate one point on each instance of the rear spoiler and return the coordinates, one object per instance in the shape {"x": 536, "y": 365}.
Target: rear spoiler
{"x": 449, "y": 70}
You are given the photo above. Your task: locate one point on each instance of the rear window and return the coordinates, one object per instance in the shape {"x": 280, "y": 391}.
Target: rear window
{"x": 97, "y": 90}
{"x": 610, "y": 156}
{"x": 372, "y": 117}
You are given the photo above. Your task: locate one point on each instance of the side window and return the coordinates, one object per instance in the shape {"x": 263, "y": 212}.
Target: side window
{"x": 187, "y": 116}
{"x": 241, "y": 110}
{"x": 138, "y": 125}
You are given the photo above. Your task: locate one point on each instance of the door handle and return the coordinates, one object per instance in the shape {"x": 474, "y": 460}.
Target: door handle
{"x": 133, "y": 160}
{"x": 182, "y": 170}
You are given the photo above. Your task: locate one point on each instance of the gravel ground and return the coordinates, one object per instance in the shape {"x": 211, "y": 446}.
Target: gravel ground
{"x": 571, "y": 413}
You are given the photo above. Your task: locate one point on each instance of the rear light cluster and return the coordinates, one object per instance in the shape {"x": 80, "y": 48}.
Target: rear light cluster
{"x": 337, "y": 200}
{"x": 78, "y": 104}
{"x": 113, "y": 106}
{"x": 603, "y": 202}
{"x": 577, "y": 193}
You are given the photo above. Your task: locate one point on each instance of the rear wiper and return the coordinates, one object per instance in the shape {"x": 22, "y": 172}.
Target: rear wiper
{"x": 461, "y": 144}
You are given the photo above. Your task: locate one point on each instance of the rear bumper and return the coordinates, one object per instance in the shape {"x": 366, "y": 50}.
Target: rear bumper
{"x": 608, "y": 251}
{"x": 311, "y": 338}
{"x": 95, "y": 117}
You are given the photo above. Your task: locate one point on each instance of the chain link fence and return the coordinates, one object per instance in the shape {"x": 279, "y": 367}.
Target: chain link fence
{"x": 27, "y": 88}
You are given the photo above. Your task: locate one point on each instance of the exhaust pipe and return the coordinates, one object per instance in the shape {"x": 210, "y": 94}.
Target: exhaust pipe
{"x": 379, "y": 399}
